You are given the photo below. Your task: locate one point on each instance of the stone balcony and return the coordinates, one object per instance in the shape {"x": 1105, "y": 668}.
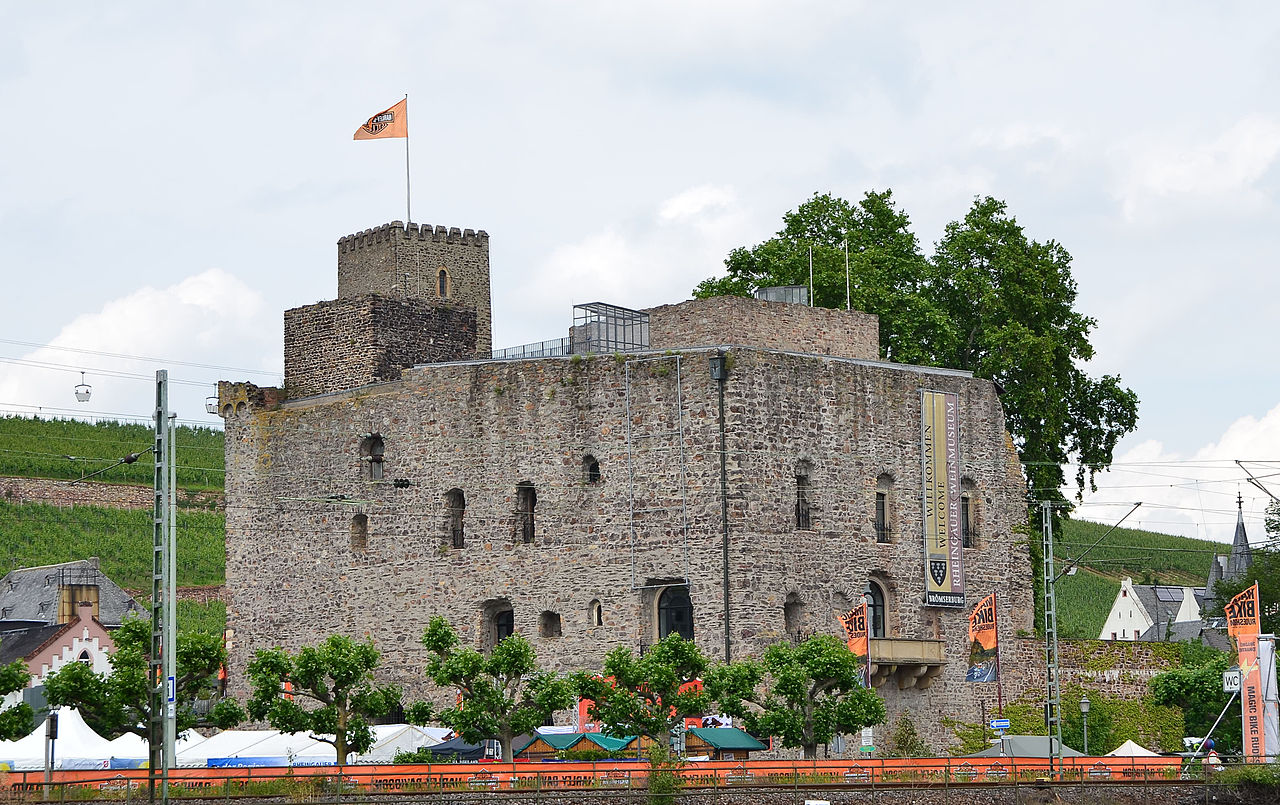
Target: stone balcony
{"x": 913, "y": 663}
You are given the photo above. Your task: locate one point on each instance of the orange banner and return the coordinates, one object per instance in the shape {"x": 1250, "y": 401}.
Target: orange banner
{"x": 393, "y": 122}
{"x": 1243, "y": 626}
{"x": 983, "y": 642}
{"x": 854, "y": 623}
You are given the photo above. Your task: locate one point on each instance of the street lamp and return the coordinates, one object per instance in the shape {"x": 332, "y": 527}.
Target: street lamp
{"x": 1084, "y": 716}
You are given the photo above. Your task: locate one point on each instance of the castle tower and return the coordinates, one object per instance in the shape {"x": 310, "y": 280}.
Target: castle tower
{"x": 438, "y": 263}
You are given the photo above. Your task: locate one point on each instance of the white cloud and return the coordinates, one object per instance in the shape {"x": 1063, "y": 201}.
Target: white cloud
{"x": 1193, "y": 494}
{"x": 695, "y": 201}
{"x": 209, "y": 318}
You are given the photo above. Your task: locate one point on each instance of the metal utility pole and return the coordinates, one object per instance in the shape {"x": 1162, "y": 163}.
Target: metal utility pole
{"x": 161, "y": 733}
{"x": 1053, "y": 706}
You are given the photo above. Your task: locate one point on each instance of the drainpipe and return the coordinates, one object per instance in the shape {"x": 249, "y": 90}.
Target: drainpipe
{"x": 720, "y": 373}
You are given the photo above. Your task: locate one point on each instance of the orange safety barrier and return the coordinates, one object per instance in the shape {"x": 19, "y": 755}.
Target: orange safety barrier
{"x": 625, "y": 774}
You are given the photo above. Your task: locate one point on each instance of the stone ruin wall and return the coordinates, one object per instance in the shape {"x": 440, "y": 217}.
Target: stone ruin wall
{"x": 354, "y": 341}
{"x": 293, "y": 574}
{"x": 768, "y": 325}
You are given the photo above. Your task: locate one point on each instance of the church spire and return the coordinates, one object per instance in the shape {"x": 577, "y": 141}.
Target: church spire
{"x": 1241, "y": 556}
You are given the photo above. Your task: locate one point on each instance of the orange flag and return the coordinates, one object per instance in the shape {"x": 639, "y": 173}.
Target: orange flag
{"x": 393, "y": 122}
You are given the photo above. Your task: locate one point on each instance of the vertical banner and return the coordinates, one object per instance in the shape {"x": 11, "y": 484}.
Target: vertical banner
{"x": 1270, "y": 697}
{"x": 940, "y": 464}
{"x": 854, "y": 623}
{"x": 1242, "y": 626}
{"x": 983, "y": 642}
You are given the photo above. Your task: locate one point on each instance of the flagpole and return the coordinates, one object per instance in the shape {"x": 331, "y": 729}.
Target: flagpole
{"x": 408, "y": 208}
{"x": 995, "y": 619}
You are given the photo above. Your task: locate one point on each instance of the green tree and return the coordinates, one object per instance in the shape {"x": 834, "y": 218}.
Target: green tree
{"x": 15, "y": 721}
{"x": 804, "y": 695}
{"x": 991, "y": 301}
{"x": 905, "y": 741}
{"x": 650, "y": 694}
{"x": 502, "y": 694}
{"x": 119, "y": 702}
{"x": 887, "y": 273}
{"x": 327, "y": 690}
{"x": 1197, "y": 689}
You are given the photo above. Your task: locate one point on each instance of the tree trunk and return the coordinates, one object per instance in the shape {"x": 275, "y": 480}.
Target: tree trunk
{"x": 810, "y": 751}
{"x": 508, "y": 738}
{"x": 340, "y": 737}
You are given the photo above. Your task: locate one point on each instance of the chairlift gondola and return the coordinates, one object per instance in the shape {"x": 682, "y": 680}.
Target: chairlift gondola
{"x": 211, "y": 403}
{"x": 83, "y": 390}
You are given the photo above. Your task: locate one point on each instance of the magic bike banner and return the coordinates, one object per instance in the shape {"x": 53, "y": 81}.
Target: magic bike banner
{"x": 984, "y": 647}
{"x": 1242, "y": 626}
{"x": 940, "y": 464}
{"x": 854, "y": 623}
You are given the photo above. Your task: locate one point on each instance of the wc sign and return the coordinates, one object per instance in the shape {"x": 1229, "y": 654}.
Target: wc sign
{"x": 1231, "y": 680}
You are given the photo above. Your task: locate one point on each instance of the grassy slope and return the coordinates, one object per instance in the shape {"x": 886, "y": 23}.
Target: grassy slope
{"x": 69, "y": 449}
{"x": 1084, "y": 600}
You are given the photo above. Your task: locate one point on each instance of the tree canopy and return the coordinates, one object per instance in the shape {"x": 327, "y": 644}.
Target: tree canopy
{"x": 804, "y": 695}
{"x": 118, "y": 703}
{"x": 650, "y": 694}
{"x": 502, "y": 694}
{"x": 16, "y": 720}
{"x": 990, "y": 301}
{"x": 327, "y": 690}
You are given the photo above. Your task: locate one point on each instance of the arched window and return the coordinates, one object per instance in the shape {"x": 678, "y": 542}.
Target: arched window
{"x": 793, "y": 615}
{"x": 803, "y": 522}
{"x": 526, "y": 502}
{"x": 884, "y": 508}
{"x": 85, "y": 659}
{"x": 455, "y": 503}
{"x": 498, "y": 620}
{"x": 590, "y": 470}
{"x": 595, "y": 613}
{"x": 675, "y": 613}
{"x": 874, "y": 596}
{"x": 372, "y": 452}
{"x": 442, "y": 284}
{"x": 549, "y": 624}
{"x": 359, "y": 532}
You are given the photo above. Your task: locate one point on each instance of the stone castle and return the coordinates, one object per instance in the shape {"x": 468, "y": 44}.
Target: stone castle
{"x": 735, "y": 470}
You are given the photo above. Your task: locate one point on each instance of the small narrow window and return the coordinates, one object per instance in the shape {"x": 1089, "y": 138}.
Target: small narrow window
{"x": 590, "y": 470}
{"x": 882, "y": 517}
{"x": 802, "y": 501}
{"x": 966, "y": 521}
{"x": 595, "y": 613}
{"x": 442, "y": 283}
{"x": 372, "y": 454}
{"x": 549, "y": 624}
{"x": 504, "y": 624}
{"x": 793, "y": 616}
{"x": 359, "y": 532}
{"x": 526, "y": 502}
{"x": 455, "y": 504}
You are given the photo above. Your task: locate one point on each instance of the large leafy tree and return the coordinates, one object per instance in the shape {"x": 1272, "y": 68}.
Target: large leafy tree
{"x": 502, "y": 694}
{"x": 990, "y": 301}
{"x": 326, "y": 690}
{"x": 804, "y": 695}
{"x": 15, "y": 721}
{"x": 1196, "y": 687}
{"x": 120, "y": 702}
{"x": 650, "y": 694}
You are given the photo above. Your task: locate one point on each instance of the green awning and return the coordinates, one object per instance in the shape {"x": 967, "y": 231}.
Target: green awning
{"x": 730, "y": 738}
{"x": 609, "y": 742}
{"x": 555, "y": 740}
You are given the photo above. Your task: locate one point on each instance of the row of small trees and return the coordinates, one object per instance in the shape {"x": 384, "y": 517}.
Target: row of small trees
{"x": 802, "y": 694}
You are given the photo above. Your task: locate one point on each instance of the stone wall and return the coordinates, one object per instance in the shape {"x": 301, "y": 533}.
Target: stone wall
{"x": 113, "y": 496}
{"x": 395, "y": 261}
{"x": 315, "y": 547}
{"x": 769, "y": 325}
{"x": 355, "y": 341}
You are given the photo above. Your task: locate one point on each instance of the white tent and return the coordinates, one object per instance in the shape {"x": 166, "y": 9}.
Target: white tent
{"x": 1131, "y": 749}
{"x": 128, "y": 751}
{"x": 392, "y": 738}
{"x": 77, "y": 746}
{"x": 228, "y": 743}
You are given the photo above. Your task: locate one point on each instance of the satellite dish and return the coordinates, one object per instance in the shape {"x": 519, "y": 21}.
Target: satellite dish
{"x": 83, "y": 390}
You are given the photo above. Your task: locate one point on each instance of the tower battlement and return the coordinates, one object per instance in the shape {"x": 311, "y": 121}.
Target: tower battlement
{"x": 424, "y": 261}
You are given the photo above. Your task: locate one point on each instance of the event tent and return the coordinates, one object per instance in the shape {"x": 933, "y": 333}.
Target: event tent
{"x": 1024, "y": 746}
{"x": 1131, "y": 749}
{"x": 77, "y": 746}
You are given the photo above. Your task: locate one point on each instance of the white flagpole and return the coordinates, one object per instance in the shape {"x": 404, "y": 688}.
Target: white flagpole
{"x": 408, "y": 208}
{"x": 847, "y": 304}
{"x": 810, "y": 275}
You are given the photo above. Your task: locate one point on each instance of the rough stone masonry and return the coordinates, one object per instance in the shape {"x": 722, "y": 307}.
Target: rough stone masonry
{"x": 577, "y": 499}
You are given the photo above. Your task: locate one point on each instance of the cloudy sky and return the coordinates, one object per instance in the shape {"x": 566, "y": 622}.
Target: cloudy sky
{"x": 174, "y": 175}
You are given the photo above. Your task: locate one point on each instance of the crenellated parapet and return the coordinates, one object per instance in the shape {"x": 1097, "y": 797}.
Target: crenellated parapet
{"x": 241, "y": 398}
{"x": 396, "y": 230}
